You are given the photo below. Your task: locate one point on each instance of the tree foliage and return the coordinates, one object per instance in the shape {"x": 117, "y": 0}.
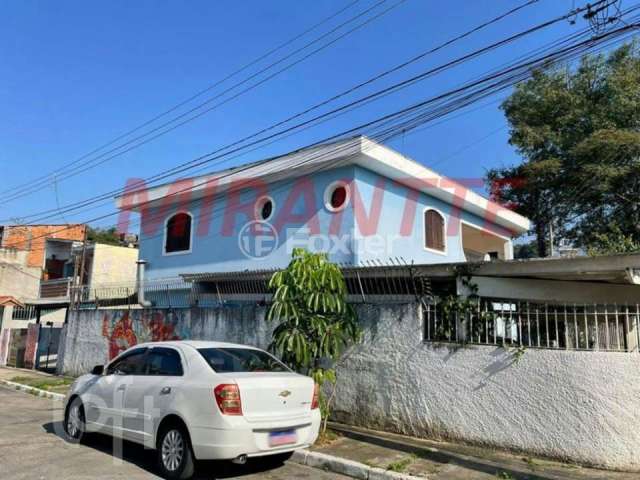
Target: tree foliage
{"x": 109, "y": 236}
{"x": 578, "y": 133}
{"x": 315, "y": 323}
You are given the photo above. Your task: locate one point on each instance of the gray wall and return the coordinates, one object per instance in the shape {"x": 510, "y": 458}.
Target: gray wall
{"x": 579, "y": 406}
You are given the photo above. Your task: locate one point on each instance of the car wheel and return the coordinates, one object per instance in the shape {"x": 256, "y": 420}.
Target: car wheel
{"x": 74, "y": 421}
{"x": 175, "y": 458}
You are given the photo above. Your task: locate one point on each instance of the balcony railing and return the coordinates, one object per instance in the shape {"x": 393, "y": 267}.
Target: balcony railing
{"x": 58, "y": 288}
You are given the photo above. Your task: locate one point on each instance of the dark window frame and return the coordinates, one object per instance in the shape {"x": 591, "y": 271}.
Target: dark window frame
{"x": 434, "y": 226}
{"x": 137, "y": 351}
{"x": 228, "y": 351}
{"x": 160, "y": 349}
{"x": 174, "y": 244}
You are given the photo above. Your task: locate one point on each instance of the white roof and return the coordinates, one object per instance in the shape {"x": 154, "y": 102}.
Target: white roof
{"x": 356, "y": 151}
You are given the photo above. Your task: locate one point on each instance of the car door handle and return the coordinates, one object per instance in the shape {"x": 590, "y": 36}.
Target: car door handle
{"x": 122, "y": 387}
{"x": 165, "y": 391}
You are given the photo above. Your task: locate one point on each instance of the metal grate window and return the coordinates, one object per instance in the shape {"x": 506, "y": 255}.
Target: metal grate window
{"x": 516, "y": 323}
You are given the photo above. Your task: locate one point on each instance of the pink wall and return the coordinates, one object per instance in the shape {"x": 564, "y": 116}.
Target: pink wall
{"x": 32, "y": 345}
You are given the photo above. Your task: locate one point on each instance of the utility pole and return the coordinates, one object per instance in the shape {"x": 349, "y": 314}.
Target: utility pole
{"x": 80, "y": 276}
{"x": 551, "y": 238}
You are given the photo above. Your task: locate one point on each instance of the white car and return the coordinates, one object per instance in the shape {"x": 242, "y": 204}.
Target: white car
{"x": 196, "y": 400}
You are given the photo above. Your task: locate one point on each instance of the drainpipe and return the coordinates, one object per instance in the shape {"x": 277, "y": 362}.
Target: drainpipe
{"x": 140, "y": 284}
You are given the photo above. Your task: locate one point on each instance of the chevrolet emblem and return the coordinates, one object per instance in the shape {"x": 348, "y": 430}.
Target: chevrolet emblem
{"x": 284, "y": 393}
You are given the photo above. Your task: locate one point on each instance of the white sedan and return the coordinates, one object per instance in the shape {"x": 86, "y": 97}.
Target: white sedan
{"x": 197, "y": 400}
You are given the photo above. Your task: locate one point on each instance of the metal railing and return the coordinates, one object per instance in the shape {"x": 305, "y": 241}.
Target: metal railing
{"x": 30, "y": 312}
{"x": 516, "y": 323}
{"x": 58, "y": 288}
{"x": 162, "y": 293}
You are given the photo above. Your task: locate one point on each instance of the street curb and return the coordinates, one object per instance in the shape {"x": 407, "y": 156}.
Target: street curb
{"x": 35, "y": 391}
{"x": 346, "y": 467}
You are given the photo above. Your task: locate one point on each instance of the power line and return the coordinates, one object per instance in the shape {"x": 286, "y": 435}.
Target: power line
{"x": 197, "y": 94}
{"x": 99, "y": 160}
{"x": 363, "y": 101}
{"x": 415, "y": 114}
{"x": 412, "y": 79}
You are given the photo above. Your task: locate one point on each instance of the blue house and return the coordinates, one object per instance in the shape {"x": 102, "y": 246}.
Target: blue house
{"x": 356, "y": 199}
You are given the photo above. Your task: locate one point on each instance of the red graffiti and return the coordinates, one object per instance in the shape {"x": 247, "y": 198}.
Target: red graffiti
{"x": 121, "y": 337}
{"x": 152, "y": 327}
{"x": 159, "y": 329}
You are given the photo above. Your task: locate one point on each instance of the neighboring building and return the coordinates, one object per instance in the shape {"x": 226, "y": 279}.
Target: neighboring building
{"x": 104, "y": 265}
{"x": 363, "y": 202}
{"x": 17, "y": 279}
{"x": 39, "y": 264}
{"x": 34, "y": 255}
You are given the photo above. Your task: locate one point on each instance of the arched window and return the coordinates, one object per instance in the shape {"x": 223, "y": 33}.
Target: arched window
{"x": 177, "y": 234}
{"x": 434, "y": 230}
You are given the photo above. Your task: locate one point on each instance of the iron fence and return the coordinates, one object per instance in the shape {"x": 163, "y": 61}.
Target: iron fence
{"x": 30, "y": 312}
{"x": 162, "y": 293}
{"x": 516, "y": 323}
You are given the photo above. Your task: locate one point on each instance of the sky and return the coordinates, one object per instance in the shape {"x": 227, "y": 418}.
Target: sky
{"x": 74, "y": 75}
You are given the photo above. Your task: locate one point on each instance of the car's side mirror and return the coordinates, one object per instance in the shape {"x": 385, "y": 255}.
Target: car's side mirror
{"x": 97, "y": 370}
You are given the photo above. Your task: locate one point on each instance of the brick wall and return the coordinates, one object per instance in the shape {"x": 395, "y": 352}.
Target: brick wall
{"x": 33, "y": 237}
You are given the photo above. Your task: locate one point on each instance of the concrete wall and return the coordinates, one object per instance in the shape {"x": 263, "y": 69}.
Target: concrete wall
{"x": 4, "y": 346}
{"x": 578, "y": 406}
{"x": 113, "y": 264}
{"x": 16, "y": 278}
{"x": 96, "y": 336}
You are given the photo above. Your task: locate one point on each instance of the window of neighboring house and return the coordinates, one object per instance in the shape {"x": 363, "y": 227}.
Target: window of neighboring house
{"x": 178, "y": 233}
{"x": 130, "y": 364}
{"x": 434, "y": 238}
{"x": 54, "y": 268}
{"x": 164, "y": 361}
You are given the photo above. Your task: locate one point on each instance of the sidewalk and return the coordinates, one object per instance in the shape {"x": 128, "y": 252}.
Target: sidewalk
{"x": 34, "y": 378}
{"x": 448, "y": 461}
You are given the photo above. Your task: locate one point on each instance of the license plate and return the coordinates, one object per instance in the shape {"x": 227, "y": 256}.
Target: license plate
{"x": 283, "y": 437}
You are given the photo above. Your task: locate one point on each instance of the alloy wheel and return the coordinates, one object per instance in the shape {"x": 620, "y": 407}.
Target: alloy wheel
{"x": 73, "y": 421}
{"x": 172, "y": 450}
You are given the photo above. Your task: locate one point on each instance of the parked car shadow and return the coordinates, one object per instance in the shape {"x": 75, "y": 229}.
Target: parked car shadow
{"x": 146, "y": 459}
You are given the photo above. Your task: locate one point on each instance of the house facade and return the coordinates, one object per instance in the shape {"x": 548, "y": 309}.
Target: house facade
{"x": 360, "y": 201}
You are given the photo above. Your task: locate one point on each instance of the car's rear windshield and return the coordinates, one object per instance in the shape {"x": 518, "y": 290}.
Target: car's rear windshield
{"x": 234, "y": 360}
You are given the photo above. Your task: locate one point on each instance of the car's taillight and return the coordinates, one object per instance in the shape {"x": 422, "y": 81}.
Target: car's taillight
{"x": 315, "y": 403}
{"x": 228, "y": 399}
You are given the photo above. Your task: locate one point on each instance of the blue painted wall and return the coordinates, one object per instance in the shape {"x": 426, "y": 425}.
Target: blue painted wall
{"x": 214, "y": 250}
{"x": 390, "y": 230}
{"x": 299, "y": 207}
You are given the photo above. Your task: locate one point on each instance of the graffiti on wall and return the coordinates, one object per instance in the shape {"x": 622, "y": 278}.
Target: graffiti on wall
{"x": 125, "y": 328}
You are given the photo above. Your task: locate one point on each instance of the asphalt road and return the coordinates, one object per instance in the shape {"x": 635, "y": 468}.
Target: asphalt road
{"x": 32, "y": 446}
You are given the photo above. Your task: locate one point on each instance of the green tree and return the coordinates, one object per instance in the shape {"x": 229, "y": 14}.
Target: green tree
{"x": 315, "y": 321}
{"x": 109, "y": 235}
{"x": 525, "y": 250}
{"x": 613, "y": 243}
{"x": 578, "y": 133}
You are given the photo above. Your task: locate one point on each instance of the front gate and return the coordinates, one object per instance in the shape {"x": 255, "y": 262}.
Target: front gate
{"x": 47, "y": 353}
{"x": 17, "y": 347}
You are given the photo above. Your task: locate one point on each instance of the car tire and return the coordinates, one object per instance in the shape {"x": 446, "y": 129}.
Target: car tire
{"x": 75, "y": 421}
{"x": 175, "y": 456}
